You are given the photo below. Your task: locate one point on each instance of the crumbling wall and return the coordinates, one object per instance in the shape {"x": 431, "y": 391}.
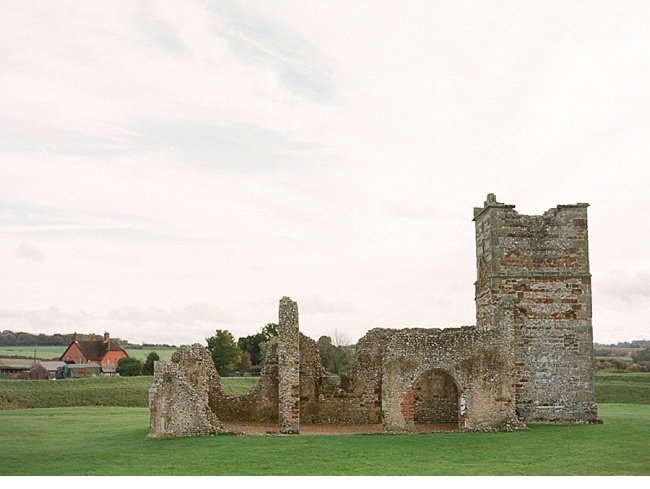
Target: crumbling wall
{"x": 318, "y": 399}
{"x": 258, "y": 404}
{"x": 542, "y": 264}
{"x": 322, "y": 401}
{"x": 528, "y": 359}
{"x": 479, "y": 362}
{"x": 367, "y": 375}
{"x": 178, "y": 398}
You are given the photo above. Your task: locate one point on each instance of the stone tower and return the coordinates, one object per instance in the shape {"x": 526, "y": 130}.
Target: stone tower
{"x": 540, "y": 265}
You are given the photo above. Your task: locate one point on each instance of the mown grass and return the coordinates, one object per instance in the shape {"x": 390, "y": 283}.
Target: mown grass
{"x": 100, "y": 391}
{"x": 111, "y": 441}
{"x": 236, "y": 386}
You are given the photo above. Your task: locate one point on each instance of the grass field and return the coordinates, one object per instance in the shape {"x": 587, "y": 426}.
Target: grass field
{"x": 633, "y": 388}
{"x": 28, "y": 353}
{"x": 101, "y": 391}
{"x": 41, "y": 352}
{"x": 132, "y": 391}
{"x": 111, "y": 441}
{"x": 141, "y": 354}
{"x": 41, "y": 441}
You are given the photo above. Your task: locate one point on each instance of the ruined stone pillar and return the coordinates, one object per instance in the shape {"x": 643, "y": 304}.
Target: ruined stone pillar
{"x": 288, "y": 368}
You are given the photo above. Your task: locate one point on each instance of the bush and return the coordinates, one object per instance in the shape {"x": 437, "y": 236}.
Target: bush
{"x": 611, "y": 365}
{"x": 147, "y": 369}
{"x": 636, "y": 367}
{"x": 129, "y": 367}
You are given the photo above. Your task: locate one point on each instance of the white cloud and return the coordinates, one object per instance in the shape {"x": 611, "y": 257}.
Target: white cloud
{"x": 227, "y": 154}
{"x": 26, "y": 251}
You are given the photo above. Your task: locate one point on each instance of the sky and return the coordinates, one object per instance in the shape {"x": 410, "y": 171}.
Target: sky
{"x": 170, "y": 168}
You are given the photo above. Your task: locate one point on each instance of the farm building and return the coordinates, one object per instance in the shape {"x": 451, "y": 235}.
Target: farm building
{"x": 71, "y": 370}
{"x": 13, "y": 370}
{"x": 45, "y": 370}
{"x": 102, "y": 352}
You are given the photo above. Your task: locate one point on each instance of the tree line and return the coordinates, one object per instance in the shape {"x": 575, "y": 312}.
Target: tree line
{"x": 625, "y": 344}
{"x": 247, "y": 354}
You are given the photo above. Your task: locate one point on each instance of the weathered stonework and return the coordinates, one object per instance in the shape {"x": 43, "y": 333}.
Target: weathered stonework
{"x": 178, "y": 398}
{"x": 288, "y": 367}
{"x": 542, "y": 264}
{"x": 528, "y": 359}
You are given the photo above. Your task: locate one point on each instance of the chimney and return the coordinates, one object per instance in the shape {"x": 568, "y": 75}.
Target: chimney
{"x": 107, "y": 338}
{"x": 75, "y": 338}
{"x": 93, "y": 337}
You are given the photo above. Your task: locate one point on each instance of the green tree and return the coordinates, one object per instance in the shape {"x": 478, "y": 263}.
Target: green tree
{"x": 265, "y": 347}
{"x": 147, "y": 369}
{"x": 129, "y": 367}
{"x": 244, "y": 364}
{"x": 270, "y": 330}
{"x": 224, "y": 351}
{"x": 336, "y": 358}
{"x": 642, "y": 356}
{"x": 252, "y": 344}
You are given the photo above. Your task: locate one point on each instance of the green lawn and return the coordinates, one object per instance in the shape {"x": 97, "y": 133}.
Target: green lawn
{"x": 45, "y": 436}
{"x": 111, "y": 441}
{"x": 99, "y": 391}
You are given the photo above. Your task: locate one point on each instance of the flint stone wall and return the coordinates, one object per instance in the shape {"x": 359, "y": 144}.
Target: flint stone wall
{"x": 178, "y": 397}
{"x": 288, "y": 367}
{"x": 529, "y": 359}
{"x": 479, "y": 363}
{"x": 321, "y": 399}
{"x": 258, "y": 404}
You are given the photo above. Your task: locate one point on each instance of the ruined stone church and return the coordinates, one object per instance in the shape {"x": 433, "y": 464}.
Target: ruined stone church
{"x": 528, "y": 359}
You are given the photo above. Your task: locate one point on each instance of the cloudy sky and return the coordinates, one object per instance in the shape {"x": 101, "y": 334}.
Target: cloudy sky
{"x": 168, "y": 168}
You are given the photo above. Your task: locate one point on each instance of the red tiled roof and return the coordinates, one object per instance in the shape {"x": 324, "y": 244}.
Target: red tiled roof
{"x": 95, "y": 350}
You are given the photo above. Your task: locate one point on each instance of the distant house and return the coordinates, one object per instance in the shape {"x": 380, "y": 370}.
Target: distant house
{"x": 104, "y": 352}
{"x": 45, "y": 370}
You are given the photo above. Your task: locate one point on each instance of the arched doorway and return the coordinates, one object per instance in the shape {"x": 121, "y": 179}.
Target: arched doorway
{"x": 436, "y": 399}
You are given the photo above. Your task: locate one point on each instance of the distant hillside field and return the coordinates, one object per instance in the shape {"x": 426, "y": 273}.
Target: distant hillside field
{"x": 54, "y": 352}
{"x": 39, "y": 352}
{"x": 627, "y": 388}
